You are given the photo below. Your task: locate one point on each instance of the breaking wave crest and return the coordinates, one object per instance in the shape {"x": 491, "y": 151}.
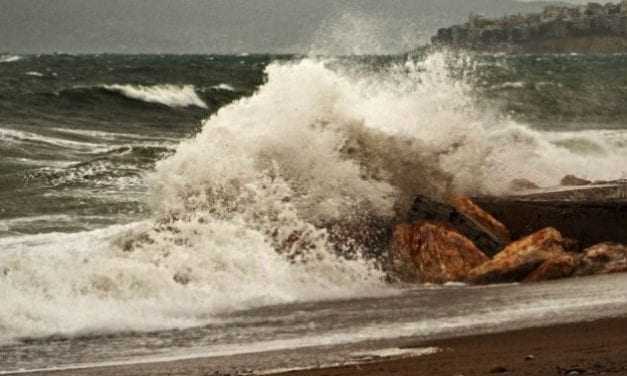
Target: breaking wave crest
{"x": 169, "y": 95}
{"x": 279, "y": 199}
{"x": 344, "y": 143}
{"x": 10, "y": 58}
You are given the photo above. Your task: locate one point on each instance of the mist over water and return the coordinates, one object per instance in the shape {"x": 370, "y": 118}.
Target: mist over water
{"x": 266, "y": 202}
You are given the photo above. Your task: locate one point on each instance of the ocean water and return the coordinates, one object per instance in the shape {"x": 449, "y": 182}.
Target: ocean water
{"x": 180, "y": 206}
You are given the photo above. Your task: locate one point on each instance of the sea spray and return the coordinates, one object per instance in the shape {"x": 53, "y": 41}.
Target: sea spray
{"x": 269, "y": 202}
{"x": 322, "y": 160}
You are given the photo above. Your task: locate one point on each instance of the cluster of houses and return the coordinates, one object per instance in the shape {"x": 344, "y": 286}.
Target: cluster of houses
{"x": 554, "y": 22}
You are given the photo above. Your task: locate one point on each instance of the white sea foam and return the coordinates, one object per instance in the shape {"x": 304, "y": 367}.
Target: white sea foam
{"x": 18, "y": 136}
{"x": 341, "y": 142}
{"x": 397, "y": 352}
{"x": 169, "y": 95}
{"x": 223, "y": 86}
{"x": 9, "y": 58}
{"x": 39, "y": 162}
{"x": 34, "y": 74}
{"x": 243, "y": 209}
{"x": 510, "y": 85}
{"x": 92, "y": 282}
{"x": 119, "y": 136}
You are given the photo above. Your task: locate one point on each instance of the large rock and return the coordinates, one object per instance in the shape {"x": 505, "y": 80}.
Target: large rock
{"x": 466, "y": 218}
{"x": 603, "y": 258}
{"x": 596, "y": 214}
{"x": 482, "y": 219}
{"x": 519, "y": 259}
{"x": 429, "y": 252}
{"x": 561, "y": 266}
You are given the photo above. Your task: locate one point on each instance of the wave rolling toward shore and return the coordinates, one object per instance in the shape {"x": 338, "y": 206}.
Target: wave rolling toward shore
{"x": 261, "y": 206}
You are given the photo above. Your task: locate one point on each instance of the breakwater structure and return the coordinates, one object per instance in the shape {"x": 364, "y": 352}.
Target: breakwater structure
{"x": 589, "y": 28}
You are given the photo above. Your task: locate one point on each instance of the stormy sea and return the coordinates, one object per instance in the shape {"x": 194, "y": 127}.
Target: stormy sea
{"x": 175, "y": 207}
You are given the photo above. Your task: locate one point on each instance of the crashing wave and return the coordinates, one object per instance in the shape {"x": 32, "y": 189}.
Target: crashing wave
{"x": 169, "y": 95}
{"x": 272, "y": 202}
{"x": 344, "y": 141}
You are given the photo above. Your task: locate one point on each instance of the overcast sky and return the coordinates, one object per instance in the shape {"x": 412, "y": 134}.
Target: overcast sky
{"x": 232, "y": 26}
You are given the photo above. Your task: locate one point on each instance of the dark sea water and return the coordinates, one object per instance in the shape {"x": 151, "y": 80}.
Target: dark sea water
{"x": 180, "y": 206}
{"x": 74, "y": 148}
{"x": 79, "y": 131}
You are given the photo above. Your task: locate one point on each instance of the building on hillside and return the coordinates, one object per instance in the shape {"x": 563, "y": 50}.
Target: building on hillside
{"x": 555, "y": 22}
{"x": 594, "y": 9}
{"x": 552, "y": 12}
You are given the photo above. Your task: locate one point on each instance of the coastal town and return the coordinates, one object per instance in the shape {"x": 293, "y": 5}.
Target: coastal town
{"x": 589, "y": 27}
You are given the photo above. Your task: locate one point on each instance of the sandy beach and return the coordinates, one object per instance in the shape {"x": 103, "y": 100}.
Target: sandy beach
{"x": 591, "y": 348}
{"x": 586, "y": 348}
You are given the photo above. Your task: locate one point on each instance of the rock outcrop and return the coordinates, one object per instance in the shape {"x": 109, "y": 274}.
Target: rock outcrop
{"x": 603, "y": 258}
{"x": 586, "y": 214}
{"x": 429, "y": 252}
{"x": 519, "y": 259}
{"x": 466, "y": 218}
{"x": 448, "y": 243}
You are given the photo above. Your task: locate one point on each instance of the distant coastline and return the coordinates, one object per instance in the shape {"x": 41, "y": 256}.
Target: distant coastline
{"x": 592, "y": 28}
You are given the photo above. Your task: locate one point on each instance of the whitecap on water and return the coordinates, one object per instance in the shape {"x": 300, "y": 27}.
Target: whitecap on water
{"x": 223, "y": 86}
{"x": 9, "y": 58}
{"x": 169, "y": 95}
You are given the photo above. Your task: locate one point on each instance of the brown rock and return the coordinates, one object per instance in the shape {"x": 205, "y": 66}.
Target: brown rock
{"x": 561, "y": 266}
{"x": 520, "y": 258}
{"x": 429, "y": 252}
{"x": 592, "y": 218}
{"x": 469, "y": 223}
{"x": 604, "y": 258}
{"x": 481, "y": 218}
{"x": 574, "y": 180}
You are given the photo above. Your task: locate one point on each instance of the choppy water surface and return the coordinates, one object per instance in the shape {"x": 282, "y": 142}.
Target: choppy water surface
{"x": 225, "y": 204}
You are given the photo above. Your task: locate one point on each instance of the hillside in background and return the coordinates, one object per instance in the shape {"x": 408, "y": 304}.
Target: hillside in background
{"x": 235, "y": 26}
{"x": 593, "y": 27}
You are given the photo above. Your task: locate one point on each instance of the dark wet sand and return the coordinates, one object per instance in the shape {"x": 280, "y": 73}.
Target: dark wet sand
{"x": 591, "y": 348}
{"x": 594, "y": 348}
